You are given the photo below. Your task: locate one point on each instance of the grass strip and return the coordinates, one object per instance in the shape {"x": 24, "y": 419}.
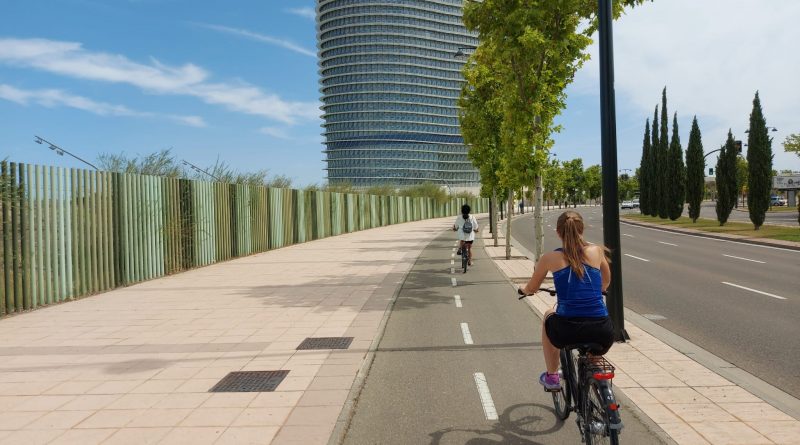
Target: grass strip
{"x": 732, "y": 228}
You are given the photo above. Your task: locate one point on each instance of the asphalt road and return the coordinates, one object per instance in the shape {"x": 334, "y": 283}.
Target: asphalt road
{"x": 421, "y": 388}
{"x": 682, "y": 278}
{"x": 708, "y": 210}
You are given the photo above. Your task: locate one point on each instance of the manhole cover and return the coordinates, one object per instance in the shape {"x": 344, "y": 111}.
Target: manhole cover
{"x": 654, "y": 317}
{"x": 250, "y": 381}
{"x": 326, "y": 343}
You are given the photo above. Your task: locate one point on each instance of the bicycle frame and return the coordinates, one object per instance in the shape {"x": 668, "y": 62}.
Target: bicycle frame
{"x": 578, "y": 375}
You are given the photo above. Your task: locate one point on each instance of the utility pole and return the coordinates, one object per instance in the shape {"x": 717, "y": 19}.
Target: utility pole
{"x": 608, "y": 130}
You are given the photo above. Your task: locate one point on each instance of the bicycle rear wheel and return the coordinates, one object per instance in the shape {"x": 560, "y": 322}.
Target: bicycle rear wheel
{"x": 464, "y": 258}
{"x": 598, "y": 427}
{"x": 562, "y": 399}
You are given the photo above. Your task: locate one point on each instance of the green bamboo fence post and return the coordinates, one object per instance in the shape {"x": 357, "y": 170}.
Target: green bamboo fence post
{"x": 17, "y": 236}
{"x": 61, "y": 246}
{"x": 85, "y": 227}
{"x": 4, "y": 229}
{"x": 28, "y": 235}
{"x": 100, "y": 229}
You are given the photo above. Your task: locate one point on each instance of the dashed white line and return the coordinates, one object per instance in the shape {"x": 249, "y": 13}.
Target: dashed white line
{"x": 465, "y": 332}
{"x": 755, "y": 290}
{"x": 641, "y": 259}
{"x": 486, "y": 397}
{"x": 669, "y": 244}
{"x": 452, "y": 271}
{"x": 629, "y": 236}
{"x": 452, "y": 262}
{"x": 452, "y": 255}
{"x": 458, "y": 300}
{"x": 453, "y": 280}
{"x": 746, "y": 259}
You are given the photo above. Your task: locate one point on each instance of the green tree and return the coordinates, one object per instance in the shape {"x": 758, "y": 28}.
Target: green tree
{"x": 663, "y": 160}
{"x": 553, "y": 178}
{"x": 574, "y": 183}
{"x": 726, "y": 180}
{"x": 593, "y": 182}
{"x": 695, "y": 171}
{"x": 742, "y": 175}
{"x": 644, "y": 168}
{"x": 654, "y": 180}
{"x": 759, "y": 160}
{"x": 677, "y": 174}
{"x": 792, "y": 144}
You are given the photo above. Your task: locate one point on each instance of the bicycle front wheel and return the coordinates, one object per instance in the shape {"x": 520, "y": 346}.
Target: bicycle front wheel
{"x": 562, "y": 399}
{"x": 597, "y": 427}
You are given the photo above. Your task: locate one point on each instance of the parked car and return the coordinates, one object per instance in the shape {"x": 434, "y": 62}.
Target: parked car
{"x": 776, "y": 200}
{"x": 627, "y": 204}
{"x": 635, "y": 203}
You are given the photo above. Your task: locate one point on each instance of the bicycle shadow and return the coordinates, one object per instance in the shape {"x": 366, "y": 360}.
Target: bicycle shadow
{"x": 508, "y": 430}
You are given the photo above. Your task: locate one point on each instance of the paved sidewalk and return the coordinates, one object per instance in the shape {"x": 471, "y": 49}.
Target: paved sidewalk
{"x": 135, "y": 365}
{"x": 690, "y": 402}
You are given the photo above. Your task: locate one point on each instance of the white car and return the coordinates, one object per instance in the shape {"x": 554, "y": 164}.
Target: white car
{"x": 627, "y": 204}
{"x": 635, "y": 203}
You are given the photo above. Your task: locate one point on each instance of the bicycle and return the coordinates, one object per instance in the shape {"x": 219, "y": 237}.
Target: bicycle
{"x": 464, "y": 257}
{"x": 586, "y": 389}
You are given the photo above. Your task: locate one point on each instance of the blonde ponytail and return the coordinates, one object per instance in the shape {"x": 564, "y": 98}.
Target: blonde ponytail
{"x": 570, "y": 229}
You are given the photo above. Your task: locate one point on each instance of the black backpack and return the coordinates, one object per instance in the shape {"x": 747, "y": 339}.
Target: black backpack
{"x": 467, "y": 227}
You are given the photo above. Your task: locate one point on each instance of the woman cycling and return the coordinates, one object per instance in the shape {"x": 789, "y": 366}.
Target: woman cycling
{"x": 467, "y": 226}
{"x": 580, "y": 274}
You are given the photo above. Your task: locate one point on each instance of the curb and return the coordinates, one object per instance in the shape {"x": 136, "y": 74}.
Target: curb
{"x": 693, "y": 232}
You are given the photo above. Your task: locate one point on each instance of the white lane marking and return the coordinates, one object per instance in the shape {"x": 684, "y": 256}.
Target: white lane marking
{"x": 754, "y": 290}
{"x": 454, "y": 249}
{"x": 452, "y": 262}
{"x": 711, "y": 239}
{"x": 742, "y": 258}
{"x": 641, "y": 259}
{"x": 630, "y": 236}
{"x": 452, "y": 271}
{"x": 465, "y": 332}
{"x": 458, "y": 300}
{"x": 453, "y": 280}
{"x": 452, "y": 255}
{"x": 669, "y": 244}
{"x": 486, "y": 397}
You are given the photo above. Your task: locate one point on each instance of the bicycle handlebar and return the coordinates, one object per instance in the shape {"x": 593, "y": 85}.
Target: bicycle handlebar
{"x": 549, "y": 290}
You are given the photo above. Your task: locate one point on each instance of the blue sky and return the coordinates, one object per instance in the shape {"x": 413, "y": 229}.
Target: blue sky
{"x": 238, "y": 80}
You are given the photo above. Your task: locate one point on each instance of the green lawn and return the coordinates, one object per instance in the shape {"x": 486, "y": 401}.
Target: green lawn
{"x": 733, "y": 228}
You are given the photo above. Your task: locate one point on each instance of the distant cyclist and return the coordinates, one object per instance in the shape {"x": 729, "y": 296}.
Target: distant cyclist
{"x": 580, "y": 274}
{"x": 466, "y": 225}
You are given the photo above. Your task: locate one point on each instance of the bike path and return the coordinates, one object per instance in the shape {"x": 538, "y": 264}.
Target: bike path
{"x": 422, "y": 387}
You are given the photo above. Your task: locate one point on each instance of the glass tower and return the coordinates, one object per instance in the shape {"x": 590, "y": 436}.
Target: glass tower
{"x": 390, "y": 84}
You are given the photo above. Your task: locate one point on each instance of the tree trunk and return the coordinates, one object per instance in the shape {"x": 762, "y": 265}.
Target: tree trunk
{"x": 494, "y": 217}
{"x": 508, "y": 222}
{"x": 539, "y": 219}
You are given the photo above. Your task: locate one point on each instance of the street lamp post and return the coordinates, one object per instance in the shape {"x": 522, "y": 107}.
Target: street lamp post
{"x": 200, "y": 170}
{"x": 608, "y": 129}
{"x": 60, "y": 151}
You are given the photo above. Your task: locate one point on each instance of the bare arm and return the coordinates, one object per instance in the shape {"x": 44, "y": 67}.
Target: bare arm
{"x": 539, "y": 273}
{"x": 605, "y": 273}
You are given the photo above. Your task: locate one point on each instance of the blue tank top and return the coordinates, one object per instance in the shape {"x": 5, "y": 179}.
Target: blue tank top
{"x": 579, "y": 298}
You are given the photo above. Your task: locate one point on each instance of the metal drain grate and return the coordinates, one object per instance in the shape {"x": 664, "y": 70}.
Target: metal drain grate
{"x": 250, "y": 381}
{"x": 326, "y": 343}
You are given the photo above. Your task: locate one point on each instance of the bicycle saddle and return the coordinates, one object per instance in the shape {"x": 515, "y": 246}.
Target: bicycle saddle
{"x": 585, "y": 347}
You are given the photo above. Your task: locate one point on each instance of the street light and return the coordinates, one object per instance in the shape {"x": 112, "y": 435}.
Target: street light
{"x": 199, "y": 170}
{"x": 461, "y": 54}
{"x": 60, "y": 151}
{"x": 768, "y": 128}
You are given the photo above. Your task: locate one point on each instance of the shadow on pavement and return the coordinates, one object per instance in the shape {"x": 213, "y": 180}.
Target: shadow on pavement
{"x": 518, "y": 425}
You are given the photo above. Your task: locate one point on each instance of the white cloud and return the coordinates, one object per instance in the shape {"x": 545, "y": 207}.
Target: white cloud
{"x": 52, "y": 98}
{"x": 306, "y": 12}
{"x": 262, "y": 38}
{"x": 275, "y": 132}
{"x": 712, "y": 56}
{"x": 72, "y": 60}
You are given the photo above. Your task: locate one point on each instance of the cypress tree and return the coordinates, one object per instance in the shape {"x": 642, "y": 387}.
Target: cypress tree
{"x": 677, "y": 174}
{"x": 726, "y": 180}
{"x": 655, "y": 169}
{"x": 644, "y": 171}
{"x": 759, "y": 165}
{"x": 663, "y": 154}
{"x": 695, "y": 171}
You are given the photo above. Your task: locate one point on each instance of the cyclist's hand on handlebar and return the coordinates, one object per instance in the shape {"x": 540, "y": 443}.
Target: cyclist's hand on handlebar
{"x": 521, "y": 293}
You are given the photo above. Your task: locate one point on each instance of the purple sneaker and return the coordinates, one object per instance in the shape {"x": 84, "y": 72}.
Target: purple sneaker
{"x": 551, "y": 382}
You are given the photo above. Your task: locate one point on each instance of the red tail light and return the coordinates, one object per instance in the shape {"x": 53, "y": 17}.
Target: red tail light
{"x": 603, "y": 375}
{"x": 613, "y": 407}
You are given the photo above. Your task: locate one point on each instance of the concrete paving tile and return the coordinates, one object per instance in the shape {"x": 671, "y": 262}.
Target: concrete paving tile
{"x": 335, "y": 397}
{"x": 726, "y": 394}
{"x": 114, "y": 418}
{"x": 276, "y": 399}
{"x": 137, "y": 436}
{"x": 729, "y": 433}
{"x": 176, "y": 373}
{"x": 183, "y": 400}
{"x": 754, "y": 412}
{"x": 83, "y": 437}
{"x": 229, "y": 400}
{"x": 780, "y": 432}
{"x": 29, "y": 437}
{"x": 58, "y": 420}
{"x": 115, "y": 387}
{"x": 247, "y": 436}
{"x": 273, "y": 416}
{"x": 338, "y": 382}
{"x": 136, "y": 401}
{"x": 683, "y": 434}
{"x": 314, "y": 415}
{"x": 17, "y": 420}
{"x": 639, "y": 395}
{"x": 677, "y": 395}
{"x": 705, "y": 412}
{"x": 202, "y": 417}
{"x": 303, "y": 435}
{"x": 623, "y": 380}
{"x": 295, "y": 383}
{"x": 41, "y": 403}
{"x": 197, "y": 385}
{"x": 90, "y": 402}
{"x": 656, "y": 379}
{"x": 192, "y": 435}
{"x": 160, "y": 417}
{"x": 73, "y": 388}
{"x": 659, "y": 413}
{"x": 158, "y": 386}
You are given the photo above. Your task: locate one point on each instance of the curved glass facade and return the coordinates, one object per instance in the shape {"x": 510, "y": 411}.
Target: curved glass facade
{"x": 390, "y": 83}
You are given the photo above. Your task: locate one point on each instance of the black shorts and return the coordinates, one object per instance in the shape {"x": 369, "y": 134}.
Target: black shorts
{"x": 467, "y": 242}
{"x": 563, "y": 331}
